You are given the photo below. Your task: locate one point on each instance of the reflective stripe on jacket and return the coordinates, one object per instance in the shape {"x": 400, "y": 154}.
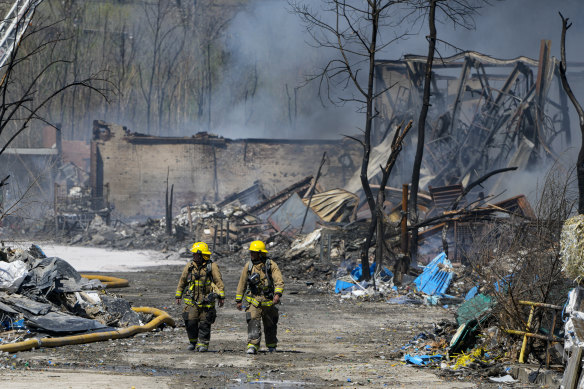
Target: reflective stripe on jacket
{"x": 199, "y": 284}
{"x": 260, "y": 298}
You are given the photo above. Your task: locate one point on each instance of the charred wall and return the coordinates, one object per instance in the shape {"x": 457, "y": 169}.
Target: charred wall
{"x": 207, "y": 168}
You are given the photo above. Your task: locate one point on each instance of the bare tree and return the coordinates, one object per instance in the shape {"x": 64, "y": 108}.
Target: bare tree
{"x": 22, "y": 99}
{"x": 422, "y": 124}
{"x": 166, "y": 36}
{"x": 354, "y": 31}
{"x": 458, "y": 12}
{"x": 579, "y": 110}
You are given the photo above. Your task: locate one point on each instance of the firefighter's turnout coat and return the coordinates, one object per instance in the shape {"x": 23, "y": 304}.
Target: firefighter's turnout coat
{"x": 269, "y": 284}
{"x": 196, "y": 283}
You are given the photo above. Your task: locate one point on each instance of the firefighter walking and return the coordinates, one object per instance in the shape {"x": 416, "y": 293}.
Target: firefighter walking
{"x": 262, "y": 285}
{"x": 200, "y": 285}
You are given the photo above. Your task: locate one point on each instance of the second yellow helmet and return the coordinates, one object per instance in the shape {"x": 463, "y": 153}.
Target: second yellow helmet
{"x": 258, "y": 245}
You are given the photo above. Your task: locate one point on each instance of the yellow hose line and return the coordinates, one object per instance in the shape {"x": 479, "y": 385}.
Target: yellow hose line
{"x": 110, "y": 282}
{"x": 160, "y": 317}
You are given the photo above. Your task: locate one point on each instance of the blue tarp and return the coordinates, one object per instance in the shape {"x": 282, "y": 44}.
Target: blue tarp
{"x": 357, "y": 272}
{"x": 357, "y": 275}
{"x": 434, "y": 280}
{"x": 342, "y": 285}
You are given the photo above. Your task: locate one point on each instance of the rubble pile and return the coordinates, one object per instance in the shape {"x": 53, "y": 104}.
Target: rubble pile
{"x": 317, "y": 239}
{"x": 42, "y": 296}
{"x": 227, "y": 227}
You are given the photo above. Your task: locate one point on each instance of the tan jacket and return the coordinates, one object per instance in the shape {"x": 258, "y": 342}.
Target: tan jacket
{"x": 198, "y": 286}
{"x": 262, "y": 293}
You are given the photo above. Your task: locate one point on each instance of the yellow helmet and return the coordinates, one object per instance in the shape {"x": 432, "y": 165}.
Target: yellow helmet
{"x": 258, "y": 246}
{"x": 200, "y": 247}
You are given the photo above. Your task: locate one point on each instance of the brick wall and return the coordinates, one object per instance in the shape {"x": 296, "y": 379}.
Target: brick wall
{"x": 136, "y": 173}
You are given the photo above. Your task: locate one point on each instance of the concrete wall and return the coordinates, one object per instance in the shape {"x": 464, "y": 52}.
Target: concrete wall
{"x": 136, "y": 172}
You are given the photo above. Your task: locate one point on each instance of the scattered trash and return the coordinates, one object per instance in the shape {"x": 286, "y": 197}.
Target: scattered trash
{"x": 422, "y": 359}
{"x": 12, "y": 274}
{"x": 506, "y": 379}
{"x": 48, "y": 295}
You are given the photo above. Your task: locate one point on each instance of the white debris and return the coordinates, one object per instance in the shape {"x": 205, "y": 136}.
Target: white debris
{"x": 12, "y": 274}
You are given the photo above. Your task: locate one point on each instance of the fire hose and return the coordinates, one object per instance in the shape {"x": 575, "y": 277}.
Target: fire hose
{"x": 109, "y": 282}
{"x": 160, "y": 317}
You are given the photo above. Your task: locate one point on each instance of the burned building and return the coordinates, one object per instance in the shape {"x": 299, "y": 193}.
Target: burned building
{"x": 485, "y": 113}
{"x": 133, "y": 169}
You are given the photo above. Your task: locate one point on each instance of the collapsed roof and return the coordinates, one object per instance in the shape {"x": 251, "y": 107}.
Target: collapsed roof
{"x": 485, "y": 113}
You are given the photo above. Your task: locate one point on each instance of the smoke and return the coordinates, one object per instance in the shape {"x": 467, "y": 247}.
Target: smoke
{"x": 265, "y": 92}
{"x": 511, "y": 28}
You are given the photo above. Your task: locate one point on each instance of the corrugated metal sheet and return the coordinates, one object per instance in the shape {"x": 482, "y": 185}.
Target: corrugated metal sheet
{"x": 337, "y": 205}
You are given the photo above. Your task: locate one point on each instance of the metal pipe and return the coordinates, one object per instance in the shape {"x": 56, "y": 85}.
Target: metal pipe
{"x": 404, "y": 221}
{"x": 524, "y": 344}
{"x": 542, "y": 305}
{"x": 532, "y": 335}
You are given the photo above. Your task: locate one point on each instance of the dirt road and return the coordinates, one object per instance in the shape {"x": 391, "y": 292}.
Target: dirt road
{"x": 323, "y": 341}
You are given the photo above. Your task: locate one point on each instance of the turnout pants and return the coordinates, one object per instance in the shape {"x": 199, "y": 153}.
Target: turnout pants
{"x": 254, "y": 317}
{"x": 198, "y": 322}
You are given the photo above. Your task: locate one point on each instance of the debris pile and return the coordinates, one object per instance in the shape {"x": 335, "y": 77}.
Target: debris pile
{"x": 42, "y": 296}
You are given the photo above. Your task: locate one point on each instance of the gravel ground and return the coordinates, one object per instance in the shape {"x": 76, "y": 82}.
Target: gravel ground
{"x": 324, "y": 341}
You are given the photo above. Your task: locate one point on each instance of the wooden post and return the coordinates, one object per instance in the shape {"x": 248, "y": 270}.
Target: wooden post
{"x": 168, "y": 203}
{"x": 215, "y": 237}
{"x": 549, "y": 343}
{"x": 311, "y": 193}
{"x": 322, "y": 245}
{"x": 55, "y": 194}
{"x": 404, "y": 221}
{"x": 190, "y": 217}
{"x": 221, "y": 232}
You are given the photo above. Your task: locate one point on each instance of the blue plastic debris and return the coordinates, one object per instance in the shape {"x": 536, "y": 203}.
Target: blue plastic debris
{"x": 357, "y": 272}
{"x": 422, "y": 359}
{"x": 421, "y": 335}
{"x": 385, "y": 274}
{"x": 342, "y": 285}
{"x": 37, "y": 247}
{"x": 434, "y": 280}
{"x": 471, "y": 293}
{"x": 13, "y": 325}
{"x": 503, "y": 283}
{"x": 18, "y": 325}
